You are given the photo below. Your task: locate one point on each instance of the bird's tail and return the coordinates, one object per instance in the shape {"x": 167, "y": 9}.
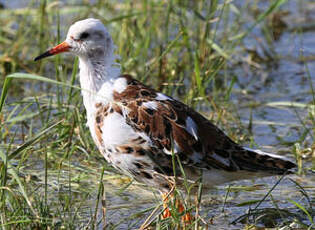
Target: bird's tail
{"x": 259, "y": 161}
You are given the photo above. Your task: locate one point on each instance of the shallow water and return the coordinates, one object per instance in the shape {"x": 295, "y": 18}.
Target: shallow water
{"x": 285, "y": 81}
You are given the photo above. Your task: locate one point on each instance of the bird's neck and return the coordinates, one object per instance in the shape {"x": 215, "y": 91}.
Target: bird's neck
{"x": 95, "y": 72}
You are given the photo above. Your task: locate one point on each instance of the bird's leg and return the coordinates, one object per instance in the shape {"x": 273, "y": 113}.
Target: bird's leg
{"x": 186, "y": 218}
{"x": 166, "y": 213}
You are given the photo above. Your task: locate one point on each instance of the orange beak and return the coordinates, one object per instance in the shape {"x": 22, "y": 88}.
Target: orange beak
{"x": 62, "y": 47}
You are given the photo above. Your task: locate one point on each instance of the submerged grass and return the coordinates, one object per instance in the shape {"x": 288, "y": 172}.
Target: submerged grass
{"x": 51, "y": 174}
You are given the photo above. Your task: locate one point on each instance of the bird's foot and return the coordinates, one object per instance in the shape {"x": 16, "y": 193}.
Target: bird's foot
{"x": 166, "y": 213}
{"x": 186, "y": 218}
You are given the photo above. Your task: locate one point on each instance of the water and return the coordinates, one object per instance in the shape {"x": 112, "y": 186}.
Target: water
{"x": 286, "y": 81}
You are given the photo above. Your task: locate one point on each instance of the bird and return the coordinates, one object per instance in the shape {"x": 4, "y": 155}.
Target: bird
{"x": 140, "y": 131}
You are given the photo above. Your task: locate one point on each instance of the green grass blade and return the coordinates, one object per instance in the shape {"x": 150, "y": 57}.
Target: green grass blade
{"x": 303, "y": 209}
{"x": 32, "y": 140}
{"x": 274, "y": 6}
{"x": 4, "y": 93}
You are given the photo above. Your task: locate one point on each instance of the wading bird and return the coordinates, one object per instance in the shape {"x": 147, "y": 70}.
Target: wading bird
{"x": 138, "y": 129}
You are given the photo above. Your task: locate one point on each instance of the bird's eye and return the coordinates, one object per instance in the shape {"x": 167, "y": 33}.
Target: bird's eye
{"x": 84, "y": 35}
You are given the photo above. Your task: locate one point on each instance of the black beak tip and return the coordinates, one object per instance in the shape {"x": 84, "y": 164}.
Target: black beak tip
{"x": 43, "y": 55}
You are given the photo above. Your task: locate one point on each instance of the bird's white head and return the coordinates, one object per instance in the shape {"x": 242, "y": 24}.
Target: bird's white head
{"x": 90, "y": 40}
{"x": 87, "y": 39}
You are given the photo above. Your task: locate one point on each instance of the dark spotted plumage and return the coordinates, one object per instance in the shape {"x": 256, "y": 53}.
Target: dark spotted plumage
{"x": 172, "y": 127}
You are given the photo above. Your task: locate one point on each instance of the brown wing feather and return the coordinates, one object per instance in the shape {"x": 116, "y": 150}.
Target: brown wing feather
{"x": 166, "y": 125}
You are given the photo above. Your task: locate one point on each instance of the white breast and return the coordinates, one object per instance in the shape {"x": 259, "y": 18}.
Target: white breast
{"x": 116, "y": 131}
